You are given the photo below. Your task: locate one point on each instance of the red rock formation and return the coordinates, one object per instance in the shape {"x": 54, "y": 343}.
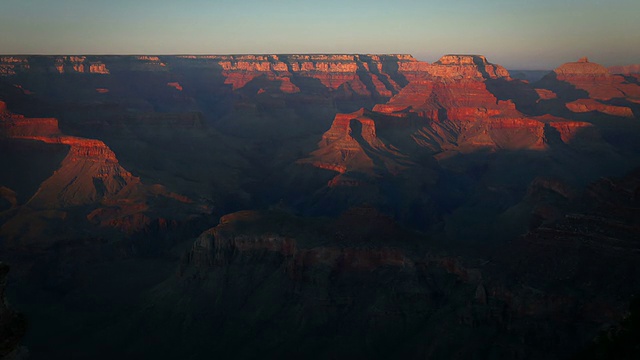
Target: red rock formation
{"x": 451, "y": 108}
{"x": 467, "y": 66}
{"x": 98, "y": 68}
{"x": 363, "y": 74}
{"x": 569, "y": 129}
{"x": 286, "y": 86}
{"x": 587, "y": 105}
{"x": 592, "y": 78}
{"x": 88, "y": 182}
{"x": 545, "y": 94}
{"x": 346, "y": 146}
{"x": 89, "y": 174}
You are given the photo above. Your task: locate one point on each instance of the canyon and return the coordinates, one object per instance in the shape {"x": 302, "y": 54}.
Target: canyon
{"x": 321, "y": 205}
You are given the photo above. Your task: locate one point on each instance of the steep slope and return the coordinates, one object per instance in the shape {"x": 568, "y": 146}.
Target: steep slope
{"x": 89, "y": 183}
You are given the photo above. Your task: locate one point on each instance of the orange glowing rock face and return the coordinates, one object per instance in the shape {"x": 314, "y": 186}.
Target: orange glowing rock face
{"x": 362, "y": 74}
{"x": 592, "y": 78}
{"x": 78, "y": 64}
{"x": 545, "y": 94}
{"x": 588, "y": 105}
{"x": 449, "y": 108}
{"x": 89, "y": 175}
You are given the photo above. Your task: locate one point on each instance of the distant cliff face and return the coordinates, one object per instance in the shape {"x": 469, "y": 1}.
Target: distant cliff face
{"x": 15, "y": 65}
{"x": 373, "y": 75}
{"x": 451, "y": 108}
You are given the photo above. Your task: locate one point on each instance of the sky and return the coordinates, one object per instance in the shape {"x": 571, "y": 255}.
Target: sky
{"x": 532, "y": 34}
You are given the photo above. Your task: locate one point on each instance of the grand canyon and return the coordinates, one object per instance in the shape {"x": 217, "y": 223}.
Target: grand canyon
{"x": 317, "y": 206}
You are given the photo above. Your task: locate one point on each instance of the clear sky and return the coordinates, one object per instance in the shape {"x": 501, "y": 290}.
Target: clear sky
{"x": 533, "y": 34}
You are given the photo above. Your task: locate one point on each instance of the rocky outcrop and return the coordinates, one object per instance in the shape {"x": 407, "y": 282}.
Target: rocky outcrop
{"x": 348, "y": 146}
{"x": 467, "y": 66}
{"x": 588, "y": 105}
{"x": 378, "y": 75}
{"x": 89, "y": 176}
{"x": 568, "y": 129}
{"x": 89, "y": 172}
{"x": 584, "y": 79}
{"x": 456, "y": 86}
{"x": 450, "y": 109}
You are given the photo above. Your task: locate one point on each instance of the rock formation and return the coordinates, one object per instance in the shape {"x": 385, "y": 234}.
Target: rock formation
{"x": 584, "y": 79}
{"x": 365, "y": 74}
{"x": 451, "y": 108}
{"x": 89, "y": 175}
{"x": 398, "y": 201}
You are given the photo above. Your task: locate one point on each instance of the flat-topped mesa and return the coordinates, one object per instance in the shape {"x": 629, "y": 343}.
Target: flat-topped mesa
{"x": 589, "y": 105}
{"x": 582, "y": 67}
{"x": 17, "y": 126}
{"x": 594, "y": 79}
{"x": 341, "y": 147}
{"x": 467, "y": 66}
{"x": 85, "y": 149}
{"x": 341, "y": 126}
{"x": 454, "y": 89}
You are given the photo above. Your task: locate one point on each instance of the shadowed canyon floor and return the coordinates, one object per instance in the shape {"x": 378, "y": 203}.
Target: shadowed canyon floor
{"x": 322, "y": 206}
